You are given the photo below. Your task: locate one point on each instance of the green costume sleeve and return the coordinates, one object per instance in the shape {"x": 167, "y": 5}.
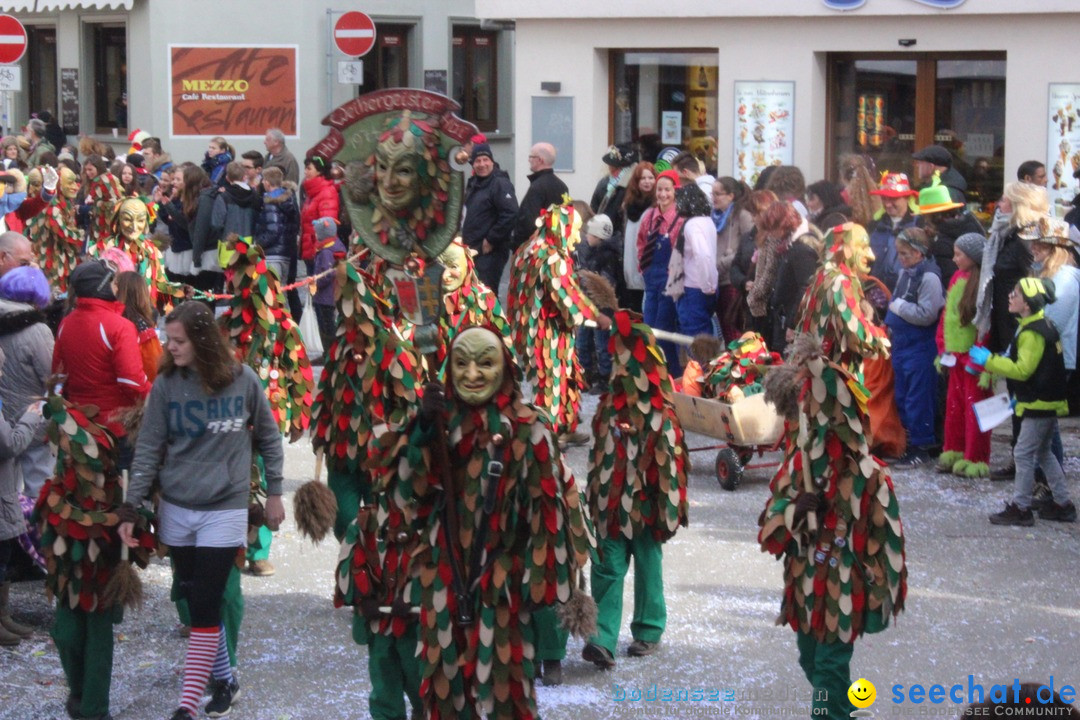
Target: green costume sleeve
{"x": 1029, "y": 351}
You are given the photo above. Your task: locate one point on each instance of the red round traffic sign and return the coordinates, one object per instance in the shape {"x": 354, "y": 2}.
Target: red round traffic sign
{"x": 12, "y": 39}
{"x": 354, "y": 33}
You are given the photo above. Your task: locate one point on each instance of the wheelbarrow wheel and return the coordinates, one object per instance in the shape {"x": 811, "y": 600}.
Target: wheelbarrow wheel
{"x": 745, "y": 454}
{"x": 728, "y": 469}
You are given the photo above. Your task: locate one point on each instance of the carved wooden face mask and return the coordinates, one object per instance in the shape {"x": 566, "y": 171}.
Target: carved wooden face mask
{"x": 477, "y": 365}
{"x": 456, "y": 264}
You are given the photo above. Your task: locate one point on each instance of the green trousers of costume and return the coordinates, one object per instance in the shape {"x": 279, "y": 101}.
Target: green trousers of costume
{"x": 349, "y": 489}
{"x": 85, "y": 643}
{"x": 394, "y": 670}
{"x": 828, "y": 668}
{"x": 232, "y": 610}
{"x": 259, "y": 549}
{"x": 549, "y": 637}
{"x": 607, "y": 576}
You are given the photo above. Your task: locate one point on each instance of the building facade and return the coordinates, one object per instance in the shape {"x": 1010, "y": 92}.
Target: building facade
{"x": 749, "y": 83}
{"x": 189, "y": 70}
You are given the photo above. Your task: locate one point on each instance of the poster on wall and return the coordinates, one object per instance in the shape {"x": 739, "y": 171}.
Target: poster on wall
{"x": 234, "y": 91}
{"x": 1063, "y": 146}
{"x": 764, "y": 120}
{"x": 671, "y": 127}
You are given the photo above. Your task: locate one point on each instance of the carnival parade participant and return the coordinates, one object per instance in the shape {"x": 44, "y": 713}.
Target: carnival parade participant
{"x": 636, "y": 490}
{"x": 834, "y": 521}
{"x": 508, "y": 539}
{"x": 548, "y": 306}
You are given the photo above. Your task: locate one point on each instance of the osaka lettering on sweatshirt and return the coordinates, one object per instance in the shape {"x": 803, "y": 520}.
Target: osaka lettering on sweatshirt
{"x": 199, "y": 446}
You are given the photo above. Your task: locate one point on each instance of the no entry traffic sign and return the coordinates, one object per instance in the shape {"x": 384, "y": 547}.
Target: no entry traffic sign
{"x": 12, "y": 39}
{"x": 354, "y": 33}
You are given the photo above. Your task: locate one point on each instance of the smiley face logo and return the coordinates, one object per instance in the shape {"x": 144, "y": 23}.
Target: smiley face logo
{"x": 862, "y": 693}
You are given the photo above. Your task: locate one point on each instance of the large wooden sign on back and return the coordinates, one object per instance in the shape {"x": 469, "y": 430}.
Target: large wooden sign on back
{"x": 403, "y": 191}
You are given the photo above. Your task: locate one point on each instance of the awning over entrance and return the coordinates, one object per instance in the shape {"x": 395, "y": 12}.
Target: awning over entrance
{"x": 51, "y": 5}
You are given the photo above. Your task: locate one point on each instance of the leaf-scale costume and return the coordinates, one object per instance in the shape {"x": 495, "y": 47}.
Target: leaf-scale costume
{"x": 371, "y": 378}
{"x": 639, "y": 464}
{"x": 521, "y": 555}
{"x": 547, "y": 306}
{"x": 266, "y": 338}
{"x": 105, "y": 193}
{"x": 844, "y": 562}
{"x": 57, "y": 240}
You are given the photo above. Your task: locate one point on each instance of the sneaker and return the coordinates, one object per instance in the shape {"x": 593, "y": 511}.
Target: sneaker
{"x": 1008, "y": 472}
{"x": 181, "y": 714}
{"x": 915, "y": 457}
{"x": 225, "y": 694}
{"x": 261, "y": 568}
{"x": 1060, "y": 513}
{"x": 1013, "y": 515}
{"x": 599, "y": 656}
{"x": 1041, "y": 496}
{"x": 640, "y": 648}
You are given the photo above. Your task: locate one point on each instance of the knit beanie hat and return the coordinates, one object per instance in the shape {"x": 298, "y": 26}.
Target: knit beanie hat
{"x": 599, "y": 226}
{"x": 481, "y": 149}
{"x": 972, "y": 244}
{"x": 325, "y": 228}
{"x": 92, "y": 279}
{"x": 1037, "y": 292}
{"x": 670, "y": 175}
{"x": 26, "y": 285}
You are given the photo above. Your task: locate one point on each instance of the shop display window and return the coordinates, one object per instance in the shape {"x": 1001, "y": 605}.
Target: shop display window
{"x": 888, "y": 106}
{"x": 666, "y": 98}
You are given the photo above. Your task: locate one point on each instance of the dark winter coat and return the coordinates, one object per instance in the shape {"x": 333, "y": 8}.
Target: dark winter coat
{"x": 215, "y": 167}
{"x": 883, "y": 233}
{"x": 1013, "y": 262}
{"x": 490, "y": 211}
{"x": 956, "y": 183}
{"x": 235, "y": 211}
{"x": 27, "y": 343}
{"x": 605, "y": 259}
{"x": 203, "y": 237}
{"x": 545, "y": 189}
{"x": 172, "y": 214}
{"x": 613, "y": 206}
{"x": 278, "y": 224}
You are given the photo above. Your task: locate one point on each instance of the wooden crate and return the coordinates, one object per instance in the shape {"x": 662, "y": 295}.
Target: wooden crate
{"x": 750, "y": 422}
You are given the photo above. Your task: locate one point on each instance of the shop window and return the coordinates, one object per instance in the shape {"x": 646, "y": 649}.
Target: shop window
{"x": 109, "y": 44}
{"x": 666, "y": 98}
{"x": 475, "y": 75}
{"x": 886, "y": 107}
{"x": 41, "y": 67}
{"x": 387, "y": 66}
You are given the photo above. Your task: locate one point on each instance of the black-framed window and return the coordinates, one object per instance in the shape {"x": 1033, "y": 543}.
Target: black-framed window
{"x": 474, "y": 60}
{"x": 109, "y": 42}
{"x": 387, "y": 65}
{"x": 41, "y": 67}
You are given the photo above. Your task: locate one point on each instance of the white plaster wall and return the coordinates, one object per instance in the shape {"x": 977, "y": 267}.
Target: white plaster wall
{"x": 575, "y": 53}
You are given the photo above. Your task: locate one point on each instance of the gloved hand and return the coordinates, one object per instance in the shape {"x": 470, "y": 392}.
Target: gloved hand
{"x": 805, "y": 502}
{"x": 979, "y": 355}
{"x": 433, "y": 403}
{"x": 49, "y": 178}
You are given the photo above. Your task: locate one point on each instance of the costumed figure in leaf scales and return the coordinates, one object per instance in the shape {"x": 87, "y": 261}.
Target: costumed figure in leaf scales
{"x": 466, "y": 300}
{"x": 833, "y": 519}
{"x": 128, "y": 228}
{"x": 834, "y": 309}
{"x": 500, "y": 532}
{"x": 79, "y": 510}
{"x": 54, "y": 231}
{"x": 105, "y": 193}
{"x": 636, "y": 490}
{"x": 371, "y": 378}
{"x": 548, "y": 306}
{"x": 267, "y": 340}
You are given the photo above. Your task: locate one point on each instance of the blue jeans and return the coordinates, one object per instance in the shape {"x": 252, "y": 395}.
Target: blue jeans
{"x": 659, "y": 313}
{"x": 594, "y": 340}
{"x": 695, "y": 310}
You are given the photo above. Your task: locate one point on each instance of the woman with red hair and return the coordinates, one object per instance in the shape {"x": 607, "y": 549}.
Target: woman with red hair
{"x": 659, "y": 229}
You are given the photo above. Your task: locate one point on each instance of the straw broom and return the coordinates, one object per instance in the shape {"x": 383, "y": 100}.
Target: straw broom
{"x": 125, "y": 586}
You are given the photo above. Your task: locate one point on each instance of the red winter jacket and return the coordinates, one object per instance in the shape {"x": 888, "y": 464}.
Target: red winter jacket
{"x": 320, "y": 200}
{"x": 98, "y": 349}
